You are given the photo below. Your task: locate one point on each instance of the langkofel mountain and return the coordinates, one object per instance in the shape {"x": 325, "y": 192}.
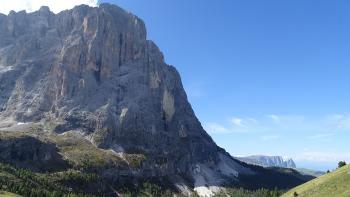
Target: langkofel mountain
{"x": 84, "y": 89}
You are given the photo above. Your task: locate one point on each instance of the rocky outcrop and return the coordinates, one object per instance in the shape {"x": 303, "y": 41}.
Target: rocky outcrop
{"x": 268, "y": 161}
{"x": 29, "y": 152}
{"x": 91, "y": 70}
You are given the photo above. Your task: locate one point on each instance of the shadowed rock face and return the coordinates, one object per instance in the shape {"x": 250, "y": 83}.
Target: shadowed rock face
{"x": 29, "y": 152}
{"x": 92, "y": 71}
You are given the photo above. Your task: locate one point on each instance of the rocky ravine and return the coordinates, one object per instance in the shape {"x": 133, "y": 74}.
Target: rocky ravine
{"x": 92, "y": 72}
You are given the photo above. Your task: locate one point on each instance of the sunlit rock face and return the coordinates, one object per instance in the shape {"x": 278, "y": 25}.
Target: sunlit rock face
{"x": 268, "y": 161}
{"x": 92, "y": 70}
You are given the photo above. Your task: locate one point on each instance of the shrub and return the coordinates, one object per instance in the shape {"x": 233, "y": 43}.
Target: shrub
{"x": 341, "y": 164}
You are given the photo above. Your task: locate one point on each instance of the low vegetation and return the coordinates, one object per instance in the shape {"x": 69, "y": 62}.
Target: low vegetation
{"x": 79, "y": 152}
{"x": 240, "y": 192}
{"x": 310, "y": 172}
{"x": 72, "y": 183}
{"x": 341, "y": 164}
{"x": 334, "y": 183}
{"x": 28, "y": 183}
{"x": 81, "y": 178}
{"x": 66, "y": 184}
{"x": 8, "y": 194}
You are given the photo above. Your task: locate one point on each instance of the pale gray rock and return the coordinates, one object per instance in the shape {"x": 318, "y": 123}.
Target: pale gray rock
{"x": 268, "y": 161}
{"x": 93, "y": 70}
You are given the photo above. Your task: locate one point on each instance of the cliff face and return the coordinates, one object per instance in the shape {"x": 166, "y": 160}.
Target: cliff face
{"x": 268, "y": 161}
{"x": 91, "y": 73}
{"x": 29, "y": 152}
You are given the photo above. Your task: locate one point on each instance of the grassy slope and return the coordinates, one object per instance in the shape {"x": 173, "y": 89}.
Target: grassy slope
{"x": 335, "y": 184}
{"x": 7, "y": 194}
{"x": 85, "y": 161}
{"x": 60, "y": 184}
{"x": 310, "y": 172}
{"x": 79, "y": 152}
{"x": 81, "y": 176}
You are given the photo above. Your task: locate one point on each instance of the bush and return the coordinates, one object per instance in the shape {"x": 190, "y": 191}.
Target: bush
{"x": 341, "y": 164}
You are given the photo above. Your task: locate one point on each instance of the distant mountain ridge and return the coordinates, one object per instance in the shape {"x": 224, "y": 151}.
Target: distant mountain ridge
{"x": 268, "y": 161}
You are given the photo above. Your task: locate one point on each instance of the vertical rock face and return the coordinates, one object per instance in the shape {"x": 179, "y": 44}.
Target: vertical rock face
{"x": 92, "y": 70}
{"x": 269, "y": 161}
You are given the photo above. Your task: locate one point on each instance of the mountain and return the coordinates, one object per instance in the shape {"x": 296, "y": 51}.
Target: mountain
{"x": 278, "y": 161}
{"x": 268, "y": 161}
{"x": 85, "y": 91}
{"x": 334, "y": 184}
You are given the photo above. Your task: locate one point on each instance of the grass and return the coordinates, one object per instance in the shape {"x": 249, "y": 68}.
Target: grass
{"x": 335, "y": 184}
{"x": 82, "y": 175}
{"x": 28, "y": 183}
{"x": 240, "y": 192}
{"x": 8, "y": 194}
{"x": 78, "y": 151}
{"x": 82, "y": 153}
{"x": 310, "y": 172}
{"x": 70, "y": 183}
{"x": 86, "y": 162}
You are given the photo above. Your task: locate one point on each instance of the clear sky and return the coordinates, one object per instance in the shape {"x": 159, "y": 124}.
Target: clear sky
{"x": 264, "y": 77}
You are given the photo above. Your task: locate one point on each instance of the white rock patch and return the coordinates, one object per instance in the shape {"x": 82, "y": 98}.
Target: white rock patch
{"x": 21, "y": 123}
{"x": 168, "y": 105}
{"x": 203, "y": 191}
{"x": 123, "y": 114}
{"x": 155, "y": 80}
{"x": 206, "y": 181}
{"x": 4, "y": 69}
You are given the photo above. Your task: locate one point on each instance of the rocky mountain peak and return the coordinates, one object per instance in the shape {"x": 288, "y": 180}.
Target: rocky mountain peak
{"x": 44, "y": 10}
{"x": 91, "y": 74}
{"x": 92, "y": 71}
{"x": 269, "y": 161}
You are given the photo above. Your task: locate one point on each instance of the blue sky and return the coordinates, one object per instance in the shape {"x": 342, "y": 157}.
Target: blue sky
{"x": 264, "y": 77}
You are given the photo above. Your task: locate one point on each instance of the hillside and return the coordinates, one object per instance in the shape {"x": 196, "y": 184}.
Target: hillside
{"x": 335, "y": 184}
{"x": 87, "y": 170}
{"x": 8, "y": 194}
{"x": 310, "y": 172}
{"x": 68, "y": 183}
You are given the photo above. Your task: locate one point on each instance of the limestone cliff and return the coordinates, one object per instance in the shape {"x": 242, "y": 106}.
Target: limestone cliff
{"x": 91, "y": 71}
{"x": 268, "y": 161}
